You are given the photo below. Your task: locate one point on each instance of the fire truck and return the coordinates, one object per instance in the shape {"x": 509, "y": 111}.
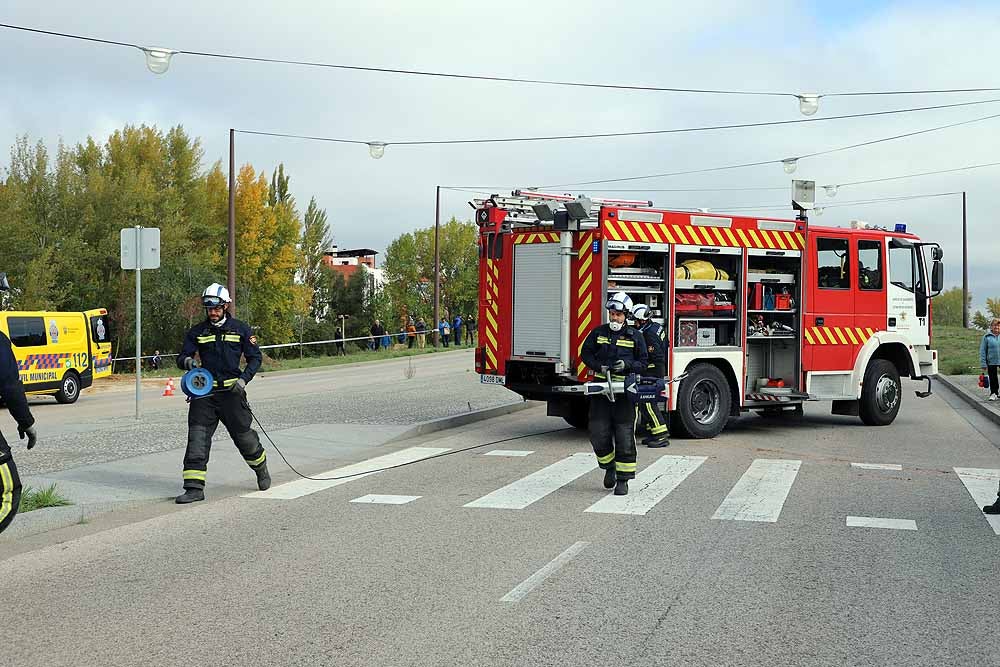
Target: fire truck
{"x": 761, "y": 314}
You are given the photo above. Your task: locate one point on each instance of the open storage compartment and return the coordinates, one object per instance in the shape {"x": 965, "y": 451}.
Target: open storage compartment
{"x": 641, "y": 275}
{"x": 706, "y": 296}
{"x": 773, "y": 322}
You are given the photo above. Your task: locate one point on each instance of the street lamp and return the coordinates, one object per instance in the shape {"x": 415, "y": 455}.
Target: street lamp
{"x": 808, "y": 103}
{"x": 789, "y": 164}
{"x": 376, "y": 149}
{"x": 831, "y": 190}
{"x": 157, "y": 58}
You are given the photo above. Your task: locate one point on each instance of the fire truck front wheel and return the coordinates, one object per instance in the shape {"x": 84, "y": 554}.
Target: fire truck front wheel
{"x": 69, "y": 390}
{"x": 703, "y": 402}
{"x": 881, "y": 393}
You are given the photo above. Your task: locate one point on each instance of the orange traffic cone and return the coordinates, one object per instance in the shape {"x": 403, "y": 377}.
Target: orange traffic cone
{"x": 169, "y": 389}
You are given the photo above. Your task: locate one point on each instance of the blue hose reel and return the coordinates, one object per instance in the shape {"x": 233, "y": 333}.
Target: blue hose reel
{"x": 197, "y": 382}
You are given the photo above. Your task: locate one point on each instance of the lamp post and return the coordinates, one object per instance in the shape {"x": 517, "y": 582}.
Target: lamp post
{"x": 437, "y": 268}
{"x": 965, "y": 268}
{"x": 231, "y": 275}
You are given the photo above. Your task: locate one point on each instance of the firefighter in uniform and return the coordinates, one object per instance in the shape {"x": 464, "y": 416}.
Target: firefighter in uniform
{"x": 619, "y": 349}
{"x": 220, "y": 341}
{"x": 12, "y": 393}
{"x": 653, "y": 420}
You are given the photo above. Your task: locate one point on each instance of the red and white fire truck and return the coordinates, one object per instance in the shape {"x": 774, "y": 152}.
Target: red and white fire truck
{"x": 762, "y": 314}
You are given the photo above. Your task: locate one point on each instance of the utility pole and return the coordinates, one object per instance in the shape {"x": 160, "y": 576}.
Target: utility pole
{"x": 437, "y": 268}
{"x": 231, "y": 276}
{"x": 965, "y": 268}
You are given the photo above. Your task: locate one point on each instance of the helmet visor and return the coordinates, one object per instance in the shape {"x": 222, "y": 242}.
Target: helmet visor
{"x": 614, "y": 305}
{"x": 212, "y": 302}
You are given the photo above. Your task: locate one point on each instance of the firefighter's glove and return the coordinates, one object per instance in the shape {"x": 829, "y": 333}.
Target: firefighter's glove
{"x": 240, "y": 387}
{"x": 619, "y": 365}
{"x": 190, "y": 363}
{"x": 30, "y": 433}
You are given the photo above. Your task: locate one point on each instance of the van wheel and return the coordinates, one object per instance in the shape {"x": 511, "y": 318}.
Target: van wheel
{"x": 69, "y": 391}
{"x": 579, "y": 416}
{"x": 881, "y": 393}
{"x": 704, "y": 402}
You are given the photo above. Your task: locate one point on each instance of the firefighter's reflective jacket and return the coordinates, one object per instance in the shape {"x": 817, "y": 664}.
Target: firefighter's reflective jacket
{"x": 656, "y": 346}
{"x": 220, "y": 348}
{"x": 603, "y": 347}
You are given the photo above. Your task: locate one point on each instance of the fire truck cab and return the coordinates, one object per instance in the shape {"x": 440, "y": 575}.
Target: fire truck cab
{"x": 761, "y": 314}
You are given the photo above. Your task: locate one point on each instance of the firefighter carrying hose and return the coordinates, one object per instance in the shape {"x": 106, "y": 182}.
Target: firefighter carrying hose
{"x": 618, "y": 349}
{"x": 653, "y": 420}
{"x": 12, "y": 393}
{"x": 219, "y": 342}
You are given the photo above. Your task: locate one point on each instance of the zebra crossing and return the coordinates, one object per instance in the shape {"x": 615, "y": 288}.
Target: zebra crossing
{"x": 759, "y": 495}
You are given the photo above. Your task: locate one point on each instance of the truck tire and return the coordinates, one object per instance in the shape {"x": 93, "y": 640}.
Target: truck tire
{"x": 579, "y": 416}
{"x": 881, "y": 393}
{"x": 703, "y": 402}
{"x": 69, "y": 390}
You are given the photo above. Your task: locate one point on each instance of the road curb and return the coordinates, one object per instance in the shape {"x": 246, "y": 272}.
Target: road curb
{"x": 48, "y": 519}
{"x": 974, "y": 402}
{"x": 434, "y": 425}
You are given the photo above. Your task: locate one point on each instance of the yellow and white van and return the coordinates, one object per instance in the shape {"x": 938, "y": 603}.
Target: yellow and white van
{"x": 59, "y": 353}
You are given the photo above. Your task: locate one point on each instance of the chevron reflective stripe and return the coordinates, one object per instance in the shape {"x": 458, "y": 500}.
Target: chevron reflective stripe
{"x": 536, "y": 237}
{"x": 704, "y": 235}
{"x": 489, "y": 320}
{"x": 838, "y": 335}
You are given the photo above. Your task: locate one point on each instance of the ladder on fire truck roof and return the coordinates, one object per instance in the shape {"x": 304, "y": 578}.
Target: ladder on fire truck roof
{"x": 520, "y": 205}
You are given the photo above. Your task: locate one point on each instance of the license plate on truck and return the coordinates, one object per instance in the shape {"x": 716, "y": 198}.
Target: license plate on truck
{"x": 492, "y": 379}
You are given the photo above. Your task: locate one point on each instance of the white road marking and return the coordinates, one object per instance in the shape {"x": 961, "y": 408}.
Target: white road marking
{"x": 355, "y": 471}
{"x": 651, "y": 485}
{"x": 877, "y": 466}
{"x": 981, "y": 484}
{"x": 876, "y": 522}
{"x": 537, "y": 578}
{"x": 377, "y": 499}
{"x": 508, "y": 452}
{"x": 761, "y": 492}
{"x": 537, "y": 485}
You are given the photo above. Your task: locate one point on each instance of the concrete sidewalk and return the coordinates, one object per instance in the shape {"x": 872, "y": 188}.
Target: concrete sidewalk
{"x": 134, "y": 482}
{"x": 968, "y": 389}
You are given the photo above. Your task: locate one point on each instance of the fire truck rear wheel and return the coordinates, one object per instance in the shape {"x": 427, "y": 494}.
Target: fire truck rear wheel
{"x": 69, "y": 390}
{"x": 881, "y": 393}
{"x": 703, "y": 402}
{"x": 579, "y": 416}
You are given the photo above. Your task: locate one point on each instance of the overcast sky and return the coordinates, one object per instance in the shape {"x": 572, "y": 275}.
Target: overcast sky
{"x": 52, "y": 88}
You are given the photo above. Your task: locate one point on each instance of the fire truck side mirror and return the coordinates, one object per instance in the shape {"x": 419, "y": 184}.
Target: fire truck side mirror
{"x": 937, "y": 278}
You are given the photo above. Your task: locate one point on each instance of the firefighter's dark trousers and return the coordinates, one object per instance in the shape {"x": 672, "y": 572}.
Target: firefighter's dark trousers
{"x": 612, "y": 434}
{"x": 204, "y": 415}
{"x": 10, "y": 486}
{"x": 654, "y": 422}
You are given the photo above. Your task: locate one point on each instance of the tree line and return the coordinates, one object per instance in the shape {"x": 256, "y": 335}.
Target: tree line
{"x": 61, "y": 212}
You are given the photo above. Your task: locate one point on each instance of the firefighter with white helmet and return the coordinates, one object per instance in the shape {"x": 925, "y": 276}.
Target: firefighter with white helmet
{"x": 618, "y": 349}
{"x": 653, "y": 420}
{"x": 219, "y": 341}
{"x": 12, "y": 393}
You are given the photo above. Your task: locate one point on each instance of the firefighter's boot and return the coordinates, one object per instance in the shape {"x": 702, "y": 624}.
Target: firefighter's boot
{"x": 621, "y": 489}
{"x": 609, "y": 478}
{"x": 263, "y": 477}
{"x": 190, "y": 496}
{"x": 992, "y": 509}
{"x": 657, "y": 440}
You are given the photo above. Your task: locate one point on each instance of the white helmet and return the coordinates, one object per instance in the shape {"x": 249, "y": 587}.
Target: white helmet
{"x": 640, "y": 312}
{"x": 619, "y": 301}
{"x": 215, "y": 295}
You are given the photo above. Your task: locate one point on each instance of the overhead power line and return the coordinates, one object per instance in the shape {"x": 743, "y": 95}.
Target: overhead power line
{"x": 158, "y": 60}
{"x": 788, "y": 162}
{"x": 860, "y": 202}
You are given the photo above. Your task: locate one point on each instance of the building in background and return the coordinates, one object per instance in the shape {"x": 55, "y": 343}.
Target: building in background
{"x": 347, "y": 262}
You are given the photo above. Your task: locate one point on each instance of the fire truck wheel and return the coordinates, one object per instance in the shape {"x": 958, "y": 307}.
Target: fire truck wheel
{"x": 579, "y": 416}
{"x": 69, "y": 390}
{"x": 881, "y": 393}
{"x": 703, "y": 402}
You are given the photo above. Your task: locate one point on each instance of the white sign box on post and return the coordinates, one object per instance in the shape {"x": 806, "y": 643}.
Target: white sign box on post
{"x": 142, "y": 244}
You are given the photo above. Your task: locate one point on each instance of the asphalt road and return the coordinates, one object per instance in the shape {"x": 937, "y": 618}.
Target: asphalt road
{"x": 318, "y": 579}
{"x": 101, "y": 425}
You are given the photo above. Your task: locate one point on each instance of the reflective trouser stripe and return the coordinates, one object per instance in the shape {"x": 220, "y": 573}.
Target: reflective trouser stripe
{"x": 604, "y": 460}
{"x": 257, "y": 461}
{"x": 658, "y": 427}
{"x": 195, "y": 474}
{"x": 624, "y": 467}
{"x": 7, "y": 486}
